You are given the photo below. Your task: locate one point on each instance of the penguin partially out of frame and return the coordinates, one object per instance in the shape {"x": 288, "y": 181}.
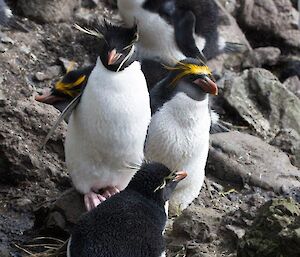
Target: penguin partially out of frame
{"x": 178, "y": 134}
{"x": 130, "y": 223}
{"x": 107, "y": 129}
{"x": 7, "y": 19}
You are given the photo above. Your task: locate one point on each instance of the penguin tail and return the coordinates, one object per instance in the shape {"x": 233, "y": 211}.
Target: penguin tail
{"x": 216, "y": 124}
{"x": 232, "y": 47}
{"x": 217, "y": 127}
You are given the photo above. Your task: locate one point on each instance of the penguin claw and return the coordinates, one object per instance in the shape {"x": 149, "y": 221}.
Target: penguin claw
{"x": 110, "y": 191}
{"x": 92, "y": 200}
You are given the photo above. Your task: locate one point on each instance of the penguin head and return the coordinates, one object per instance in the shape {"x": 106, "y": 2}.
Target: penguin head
{"x": 192, "y": 77}
{"x": 119, "y": 46}
{"x": 155, "y": 181}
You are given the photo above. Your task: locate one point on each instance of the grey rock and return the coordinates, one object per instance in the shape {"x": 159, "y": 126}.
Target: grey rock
{"x": 197, "y": 223}
{"x": 67, "y": 64}
{"x": 277, "y": 18}
{"x": 266, "y": 55}
{"x": 50, "y": 73}
{"x": 242, "y": 158}
{"x": 275, "y": 231}
{"x": 49, "y": 10}
{"x": 293, "y": 84}
{"x": 289, "y": 141}
{"x": 263, "y": 102}
{"x": 63, "y": 213}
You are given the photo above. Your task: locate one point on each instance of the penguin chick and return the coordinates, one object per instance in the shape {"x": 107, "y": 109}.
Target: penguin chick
{"x": 107, "y": 130}
{"x": 7, "y": 18}
{"x": 130, "y": 223}
{"x": 178, "y": 134}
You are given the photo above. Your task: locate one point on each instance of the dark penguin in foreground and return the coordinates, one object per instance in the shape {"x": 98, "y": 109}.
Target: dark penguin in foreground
{"x": 131, "y": 223}
{"x": 178, "y": 134}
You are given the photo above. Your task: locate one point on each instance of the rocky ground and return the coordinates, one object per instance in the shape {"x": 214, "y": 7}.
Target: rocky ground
{"x": 248, "y": 168}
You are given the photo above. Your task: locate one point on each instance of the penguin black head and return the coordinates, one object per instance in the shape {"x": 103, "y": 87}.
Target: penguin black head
{"x": 118, "y": 46}
{"x": 155, "y": 181}
{"x": 116, "y": 54}
{"x": 192, "y": 72}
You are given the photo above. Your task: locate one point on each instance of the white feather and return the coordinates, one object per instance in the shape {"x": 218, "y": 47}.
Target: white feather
{"x": 178, "y": 136}
{"x": 108, "y": 128}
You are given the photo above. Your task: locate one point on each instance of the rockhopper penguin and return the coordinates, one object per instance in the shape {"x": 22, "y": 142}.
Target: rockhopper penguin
{"x": 107, "y": 130}
{"x": 178, "y": 134}
{"x": 131, "y": 223}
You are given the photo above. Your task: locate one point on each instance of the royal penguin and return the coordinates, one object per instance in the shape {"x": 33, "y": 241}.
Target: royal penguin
{"x": 107, "y": 129}
{"x": 130, "y": 223}
{"x": 178, "y": 134}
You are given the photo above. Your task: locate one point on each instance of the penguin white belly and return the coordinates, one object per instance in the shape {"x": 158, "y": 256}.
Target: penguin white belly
{"x": 178, "y": 136}
{"x": 106, "y": 131}
{"x": 157, "y": 37}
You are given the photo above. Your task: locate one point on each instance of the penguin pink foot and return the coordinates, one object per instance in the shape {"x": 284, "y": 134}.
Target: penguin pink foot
{"x": 92, "y": 200}
{"x": 110, "y": 191}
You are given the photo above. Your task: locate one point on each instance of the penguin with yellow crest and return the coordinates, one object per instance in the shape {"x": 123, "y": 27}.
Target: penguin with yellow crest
{"x": 178, "y": 134}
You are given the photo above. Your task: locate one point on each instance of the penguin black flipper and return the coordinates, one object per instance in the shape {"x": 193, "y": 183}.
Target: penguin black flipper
{"x": 66, "y": 112}
{"x": 184, "y": 25}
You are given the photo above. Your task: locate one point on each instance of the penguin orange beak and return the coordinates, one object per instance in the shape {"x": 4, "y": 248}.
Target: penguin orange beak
{"x": 113, "y": 56}
{"x": 48, "y": 98}
{"x": 207, "y": 85}
{"x": 180, "y": 175}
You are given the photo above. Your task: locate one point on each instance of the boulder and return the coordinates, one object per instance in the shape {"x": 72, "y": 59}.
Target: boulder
{"x": 271, "y": 19}
{"x": 260, "y": 100}
{"x": 275, "y": 232}
{"x": 245, "y": 159}
{"x": 49, "y": 10}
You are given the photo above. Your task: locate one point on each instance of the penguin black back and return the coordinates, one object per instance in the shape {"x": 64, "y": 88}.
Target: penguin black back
{"x": 129, "y": 223}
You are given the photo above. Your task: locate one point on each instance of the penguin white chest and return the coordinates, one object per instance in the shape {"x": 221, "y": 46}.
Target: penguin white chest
{"x": 107, "y": 130}
{"x": 178, "y": 136}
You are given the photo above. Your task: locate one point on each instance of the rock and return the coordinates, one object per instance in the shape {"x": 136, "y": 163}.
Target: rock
{"x": 293, "y": 84}
{"x": 275, "y": 231}
{"x": 266, "y": 55}
{"x": 241, "y": 158}
{"x": 50, "y": 73}
{"x": 275, "y": 18}
{"x": 289, "y": 141}
{"x": 290, "y": 69}
{"x": 49, "y": 10}
{"x": 263, "y": 102}
{"x": 68, "y": 64}
{"x": 23, "y": 126}
{"x": 230, "y": 5}
{"x": 232, "y": 33}
{"x": 197, "y": 223}
{"x": 63, "y": 213}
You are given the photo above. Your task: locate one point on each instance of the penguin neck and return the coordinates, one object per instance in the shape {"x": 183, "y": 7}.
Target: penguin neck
{"x": 164, "y": 91}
